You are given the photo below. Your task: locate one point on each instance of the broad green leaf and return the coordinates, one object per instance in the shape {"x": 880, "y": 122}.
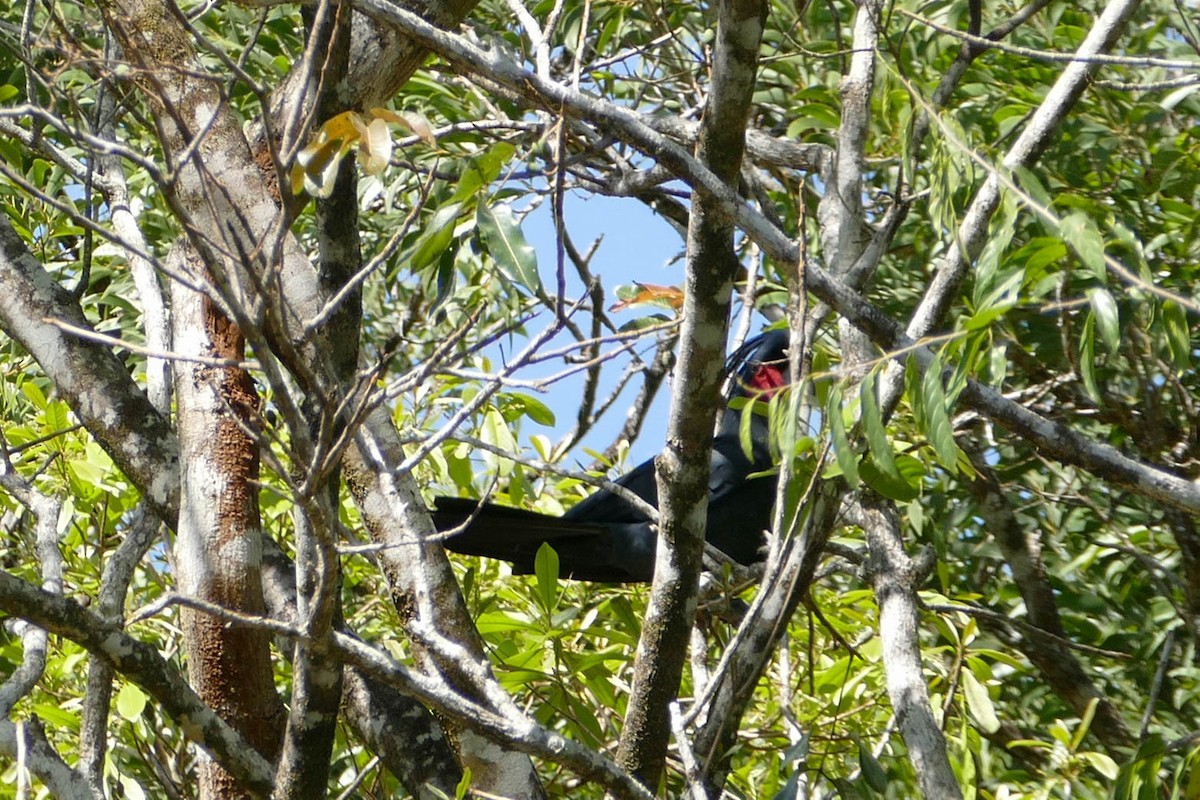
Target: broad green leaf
{"x": 791, "y": 789}
{"x": 1081, "y": 234}
{"x": 889, "y": 483}
{"x": 872, "y": 770}
{"x": 531, "y": 407}
{"x": 1109, "y": 768}
{"x": 482, "y": 171}
{"x": 130, "y": 788}
{"x": 1107, "y": 317}
{"x": 514, "y": 256}
{"x": 979, "y": 704}
{"x": 131, "y": 701}
{"x": 34, "y": 394}
{"x": 495, "y": 431}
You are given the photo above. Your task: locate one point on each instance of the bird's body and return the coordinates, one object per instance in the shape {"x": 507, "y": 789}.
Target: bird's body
{"x": 604, "y": 537}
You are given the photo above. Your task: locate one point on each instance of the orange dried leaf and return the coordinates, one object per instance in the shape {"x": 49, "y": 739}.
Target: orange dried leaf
{"x": 650, "y": 294}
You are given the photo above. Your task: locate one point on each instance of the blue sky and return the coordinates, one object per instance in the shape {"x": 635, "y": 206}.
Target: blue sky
{"x": 637, "y": 245}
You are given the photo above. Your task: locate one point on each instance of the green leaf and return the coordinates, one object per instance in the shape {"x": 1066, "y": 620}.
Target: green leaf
{"x": 979, "y": 704}
{"x": 744, "y": 425}
{"x": 434, "y": 239}
{"x": 545, "y": 566}
{"x": 1085, "y": 722}
{"x": 130, "y": 788}
{"x": 464, "y": 786}
{"x": 937, "y": 417}
{"x": 495, "y": 431}
{"x": 1179, "y": 337}
{"x": 483, "y": 171}
{"x": 1107, "y": 767}
{"x": 1108, "y": 319}
{"x": 1080, "y": 232}
{"x": 847, "y": 459}
{"x": 872, "y": 770}
{"x": 514, "y": 256}
{"x": 872, "y": 418}
{"x": 34, "y": 394}
{"x": 890, "y": 484}
{"x": 131, "y": 701}
{"x": 1000, "y": 234}
{"x": 1087, "y": 357}
{"x": 531, "y": 407}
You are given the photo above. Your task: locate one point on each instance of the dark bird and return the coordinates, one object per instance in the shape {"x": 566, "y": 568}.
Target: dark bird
{"x": 603, "y": 537}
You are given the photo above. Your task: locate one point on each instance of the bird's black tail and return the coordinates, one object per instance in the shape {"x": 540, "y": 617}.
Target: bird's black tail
{"x": 590, "y": 551}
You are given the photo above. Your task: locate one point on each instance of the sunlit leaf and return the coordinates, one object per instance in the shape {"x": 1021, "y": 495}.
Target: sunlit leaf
{"x": 514, "y": 256}
{"x": 979, "y": 703}
{"x": 545, "y": 566}
{"x": 1081, "y": 234}
{"x": 648, "y": 294}
{"x": 435, "y": 237}
{"x": 1179, "y": 336}
{"x": 873, "y": 427}
{"x": 937, "y": 417}
{"x": 1108, "y": 320}
{"x": 131, "y": 701}
{"x": 847, "y": 458}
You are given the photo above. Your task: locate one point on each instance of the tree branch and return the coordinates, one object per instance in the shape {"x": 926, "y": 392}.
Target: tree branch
{"x": 684, "y": 464}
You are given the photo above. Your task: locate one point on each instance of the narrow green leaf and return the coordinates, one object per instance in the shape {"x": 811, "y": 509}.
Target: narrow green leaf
{"x": 1081, "y": 234}
{"x": 1087, "y": 357}
{"x": 435, "y": 238}
{"x": 514, "y": 256}
{"x": 997, "y": 364}
{"x": 464, "y": 786}
{"x": 545, "y": 566}
{"x": 1108, "y": 319}
{"x": 1000, "y": 235}
{"x": 979, "y": 704}
{"x": 1085, "y": 723}
{"x": 1179, "y": 337}
{"x": 872, "y": 418}
{"x": 744, "y": 438}
{"x": 847, "y": 459}
{"x": 937, "y": 417}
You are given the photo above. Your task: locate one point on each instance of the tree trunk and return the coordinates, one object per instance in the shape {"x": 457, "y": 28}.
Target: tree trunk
{"x": 217, "y": 550}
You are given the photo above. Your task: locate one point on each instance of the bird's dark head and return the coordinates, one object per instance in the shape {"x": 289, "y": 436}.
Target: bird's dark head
{"x": 760, "y": 366}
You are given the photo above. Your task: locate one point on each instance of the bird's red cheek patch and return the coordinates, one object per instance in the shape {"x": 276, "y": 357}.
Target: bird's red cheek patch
{"x": 768, "y": 380}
